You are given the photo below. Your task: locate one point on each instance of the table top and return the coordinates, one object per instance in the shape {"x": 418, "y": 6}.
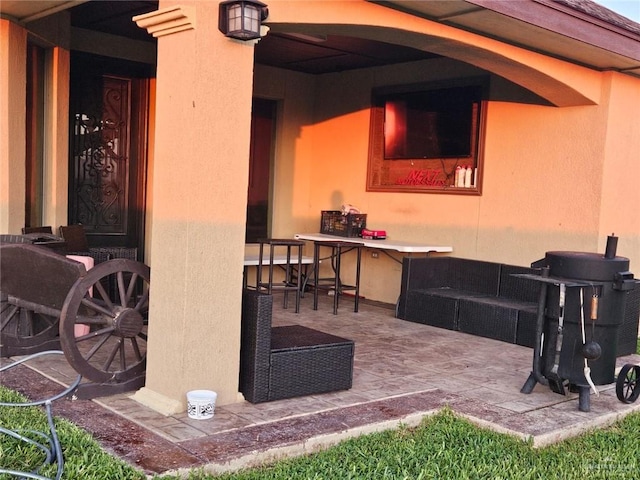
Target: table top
{"x": 388, "y": 244}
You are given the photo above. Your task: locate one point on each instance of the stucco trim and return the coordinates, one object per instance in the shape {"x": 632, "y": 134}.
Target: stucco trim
{"x": 158, "y": 402}
{"x": 561, "y": 83}
{"x": 167, "y": 21}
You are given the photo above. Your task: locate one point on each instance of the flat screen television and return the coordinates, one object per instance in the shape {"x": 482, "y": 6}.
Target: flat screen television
{"x": 428, "y": 124}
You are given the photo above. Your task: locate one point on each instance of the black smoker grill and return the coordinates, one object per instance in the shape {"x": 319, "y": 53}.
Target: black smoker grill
{"x": 581, "y": 307}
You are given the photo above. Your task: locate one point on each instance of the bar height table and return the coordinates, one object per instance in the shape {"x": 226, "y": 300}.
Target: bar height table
{"x": 383, "y": 245}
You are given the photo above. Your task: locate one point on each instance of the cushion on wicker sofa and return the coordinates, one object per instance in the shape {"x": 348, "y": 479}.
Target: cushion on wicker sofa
{"x": 288, "y": 361}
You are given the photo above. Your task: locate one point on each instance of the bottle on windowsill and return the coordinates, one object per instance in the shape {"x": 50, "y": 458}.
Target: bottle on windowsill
{"x": 461, "y": 176}
{"x": 456, "y": 177}
{"x": 467, "y": 177}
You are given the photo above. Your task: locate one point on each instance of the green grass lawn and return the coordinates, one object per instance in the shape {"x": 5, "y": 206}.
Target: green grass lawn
{"x": 447, "y": 447}
{"x": 444, "y": 446}
{"x": 84, "y": 458}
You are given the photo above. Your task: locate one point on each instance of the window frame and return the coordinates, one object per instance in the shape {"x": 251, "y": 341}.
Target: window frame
{"x": 419, "y": 175}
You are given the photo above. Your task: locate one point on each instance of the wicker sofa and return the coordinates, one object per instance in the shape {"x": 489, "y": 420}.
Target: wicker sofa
{"x": 288, "y": 361}
{"x": 472, "y": 296}
{"x": 485, "y": 299}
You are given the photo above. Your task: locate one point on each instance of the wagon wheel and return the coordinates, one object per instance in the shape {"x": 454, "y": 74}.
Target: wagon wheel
{"x": 627, "y": 388}
{"x": 23, "y": 331}
{"x": 111, "y": 305}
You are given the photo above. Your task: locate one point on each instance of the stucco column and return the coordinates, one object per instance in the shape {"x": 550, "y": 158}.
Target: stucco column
{"x": 203, "y": 120}
{"x": 13, "y": 78}
{"x": 619, "y": 190}
{"x": 57, "y": 142}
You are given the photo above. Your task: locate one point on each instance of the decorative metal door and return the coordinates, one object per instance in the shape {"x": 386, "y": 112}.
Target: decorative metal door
{"x": 108, "y": 157}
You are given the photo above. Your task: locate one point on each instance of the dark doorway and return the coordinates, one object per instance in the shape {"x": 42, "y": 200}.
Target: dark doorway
{"x": 34, "y": 201}
{"x": 109, "y": 104}
{"x": 263, "y": 120}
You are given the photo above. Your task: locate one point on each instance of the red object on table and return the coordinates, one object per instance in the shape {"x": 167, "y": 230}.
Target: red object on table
{"x": 374, "y": 234}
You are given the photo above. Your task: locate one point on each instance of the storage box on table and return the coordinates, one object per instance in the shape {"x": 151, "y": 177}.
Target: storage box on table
{"x": 333, "y": 222}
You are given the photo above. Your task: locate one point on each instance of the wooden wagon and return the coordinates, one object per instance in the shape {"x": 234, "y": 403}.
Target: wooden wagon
{"x": 98, "y": 318}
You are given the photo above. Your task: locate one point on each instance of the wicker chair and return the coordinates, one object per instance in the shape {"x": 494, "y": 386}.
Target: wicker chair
{"x": 45, "y": 229}
{"x": 288, "y": 361}
{"x": 78, "y": 244}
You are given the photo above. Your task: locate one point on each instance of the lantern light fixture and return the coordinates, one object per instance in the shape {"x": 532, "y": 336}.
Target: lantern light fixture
{"x": 241, "y": 19}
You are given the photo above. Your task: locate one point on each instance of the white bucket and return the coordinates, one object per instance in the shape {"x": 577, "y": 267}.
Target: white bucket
{"x": 201, "y": 404}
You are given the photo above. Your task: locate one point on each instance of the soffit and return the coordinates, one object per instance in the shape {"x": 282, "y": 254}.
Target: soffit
{"x": 330, "y": 53}
{"x": 592, "y": 36}
{"x": 114, "y": 17}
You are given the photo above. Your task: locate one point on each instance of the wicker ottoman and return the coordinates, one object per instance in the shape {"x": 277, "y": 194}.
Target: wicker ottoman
{"x": 305, "y": 361}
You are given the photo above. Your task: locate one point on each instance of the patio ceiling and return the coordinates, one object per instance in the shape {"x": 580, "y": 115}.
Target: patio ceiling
{"x": 578, "y": 31}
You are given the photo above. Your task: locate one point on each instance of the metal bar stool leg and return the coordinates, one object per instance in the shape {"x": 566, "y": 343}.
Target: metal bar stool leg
{"x": 316, "y": 267}
{"x": 359, "y": 256}
{"x": 288, "y": 279}
{"x": 337, "y": 251}
{"x": 299, "y": 280}
{"x": 287, "y": 276}
{"x": 259, "y": 268}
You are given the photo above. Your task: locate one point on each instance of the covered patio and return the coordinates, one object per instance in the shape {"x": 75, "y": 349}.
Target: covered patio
{"x": 402, "y": 372}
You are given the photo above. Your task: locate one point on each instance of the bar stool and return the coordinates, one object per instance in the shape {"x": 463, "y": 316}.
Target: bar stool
{"x": 291, "y": 265}
{"x": 338, "y": 248}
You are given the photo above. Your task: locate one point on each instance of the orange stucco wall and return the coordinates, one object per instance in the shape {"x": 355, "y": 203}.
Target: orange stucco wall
{"x": 13, "y": 44}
